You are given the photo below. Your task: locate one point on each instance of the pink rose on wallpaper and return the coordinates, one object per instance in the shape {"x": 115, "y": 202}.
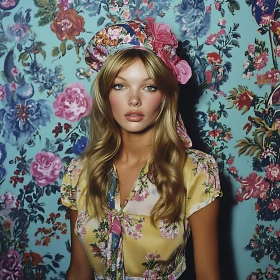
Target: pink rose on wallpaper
{"x": 252, "y": 186}
{"x": 273, "y": 172}
{"x": 73, "y": 103}
{"x": 274, "y": 205}
{"x": 2, "y": 92}
{"x": 46, "y": 168}
{"x": 211, "y": 39}
{"x": 251, "y": 48}
{"x": 261, "y": 60}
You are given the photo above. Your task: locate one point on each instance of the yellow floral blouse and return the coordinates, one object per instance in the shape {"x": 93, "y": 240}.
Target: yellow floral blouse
{"x": 124, "y": 244}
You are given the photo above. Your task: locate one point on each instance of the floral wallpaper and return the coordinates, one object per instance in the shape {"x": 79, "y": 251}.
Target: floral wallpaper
{"x": 233, "y": 47}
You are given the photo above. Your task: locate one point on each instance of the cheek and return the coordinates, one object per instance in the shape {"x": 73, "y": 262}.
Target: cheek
{"x": 115, "y": 102}
{"x": 155, "y": 103}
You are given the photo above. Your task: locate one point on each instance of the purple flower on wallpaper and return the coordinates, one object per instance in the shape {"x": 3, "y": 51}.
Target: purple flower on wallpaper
{"x": 17, "y": 32}
{"x": 8, "y": 201}
{"x": 80, "y": 145}
{"x": 193, "y": 18}
{"x": 46, "y": 168}
{"x": 10, "y": 267}
{"x": 64, "y": 4}
{"x": 8, "y": 4}
{"x": 73, "y": 103}
{"x": 22, "y": 116}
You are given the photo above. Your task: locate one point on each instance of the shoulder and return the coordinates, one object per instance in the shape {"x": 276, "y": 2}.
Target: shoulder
{"x": 72, "y": 183}
{"x": 74, "y": 167}
{"x": 199, "y": 162}
{"x": 201, "y": 179}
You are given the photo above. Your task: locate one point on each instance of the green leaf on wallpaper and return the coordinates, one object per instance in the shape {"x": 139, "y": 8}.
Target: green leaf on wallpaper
{"x": 63, "y": 47}
{"x": 235, "y": 35}
{"x": 249, "y": 147}
{"x": 235, "y": 26}
{"x": 233, "y": 5}
{"x": 43, "y": 53}
{"x": 262, "y": 30}
{"x": 44, "y": 21}
{"x": 4, "y": 14}
{"x": 227, "y": 54}
{"x": 55, "y": 51}
{"x": 3, "y": 47}
{"x": 23, "y": 57}
{"x": 222, "y": 12}
{"x": 46, "y": 12}
{"x": 100, "y": 21}
{"x": 70, "y": 47}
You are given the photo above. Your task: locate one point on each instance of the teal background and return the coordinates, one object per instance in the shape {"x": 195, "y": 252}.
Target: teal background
{"x": 249, "y": 235}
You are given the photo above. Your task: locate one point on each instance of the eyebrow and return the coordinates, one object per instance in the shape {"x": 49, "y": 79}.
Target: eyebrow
{"x": 122, "y": 78}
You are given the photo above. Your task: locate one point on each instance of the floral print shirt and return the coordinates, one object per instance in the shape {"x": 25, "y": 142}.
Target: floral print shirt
{"x": 123, "y": 244}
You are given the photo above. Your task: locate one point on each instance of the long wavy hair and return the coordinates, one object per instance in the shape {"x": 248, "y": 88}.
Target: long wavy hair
{"x": 105, "y": 142}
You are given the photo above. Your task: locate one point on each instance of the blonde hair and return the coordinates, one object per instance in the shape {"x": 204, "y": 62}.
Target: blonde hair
{"x": 168, "y": 157}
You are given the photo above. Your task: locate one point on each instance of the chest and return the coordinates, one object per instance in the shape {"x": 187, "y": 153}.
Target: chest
{"x": 128, "y": 176}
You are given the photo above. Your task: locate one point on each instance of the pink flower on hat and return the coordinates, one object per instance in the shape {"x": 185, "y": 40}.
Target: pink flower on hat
{"x": 161, "y": 35}
{"x": 164, "y": 43}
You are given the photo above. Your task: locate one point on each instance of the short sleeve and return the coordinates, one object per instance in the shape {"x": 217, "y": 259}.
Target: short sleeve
{"x": 69, "y": 186}
{"x": 202, "y": 181}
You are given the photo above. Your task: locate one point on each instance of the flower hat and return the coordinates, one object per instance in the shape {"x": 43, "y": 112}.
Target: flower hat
{"x": 149, "y": 36}
{"x": 155, "y": 37}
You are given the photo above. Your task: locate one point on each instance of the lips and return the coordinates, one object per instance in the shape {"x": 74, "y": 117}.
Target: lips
{"x": 134, "y": 116}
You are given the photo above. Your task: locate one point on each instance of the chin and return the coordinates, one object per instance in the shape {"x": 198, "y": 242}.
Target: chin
{"x": 138, "y": 130}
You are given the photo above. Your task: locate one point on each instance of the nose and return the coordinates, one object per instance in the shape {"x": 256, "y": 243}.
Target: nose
{"x": 134, "y": 100}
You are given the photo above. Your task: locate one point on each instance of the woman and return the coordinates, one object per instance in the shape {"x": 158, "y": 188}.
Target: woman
{"x": 136, "y": 192}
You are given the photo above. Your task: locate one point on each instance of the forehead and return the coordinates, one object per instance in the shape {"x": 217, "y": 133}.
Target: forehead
{"x": 135, "y": 69}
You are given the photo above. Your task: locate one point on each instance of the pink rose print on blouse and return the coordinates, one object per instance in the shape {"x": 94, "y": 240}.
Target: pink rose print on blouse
{"x": 46, "y": 168}
{"x": 167, "y": 230}
{"x": 73, "y": 103}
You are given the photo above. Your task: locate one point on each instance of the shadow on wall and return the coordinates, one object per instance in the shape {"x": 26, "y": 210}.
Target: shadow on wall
{"x": 189, "y": 96}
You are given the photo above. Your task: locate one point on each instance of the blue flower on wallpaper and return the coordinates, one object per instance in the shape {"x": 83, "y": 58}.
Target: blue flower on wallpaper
{"x": 80, "y": 145}
{"x": 93, "y": 6}
{"x": 19, "y": 31}
{"x": 149, "y": 8}
{"x": 201, "y": 118}
{"x": 49, "y": 80}
{"x": 193, "y": 17}
{"x": 3, "y": 155}
{"x": 22, "y": 116}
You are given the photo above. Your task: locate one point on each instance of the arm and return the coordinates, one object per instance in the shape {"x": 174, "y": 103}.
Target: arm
{"x": 204, "y": 224}
{"x": 79, "y": 265}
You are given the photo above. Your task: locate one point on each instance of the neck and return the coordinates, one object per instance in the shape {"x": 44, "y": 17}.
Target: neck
{"x": 136, "y": 147}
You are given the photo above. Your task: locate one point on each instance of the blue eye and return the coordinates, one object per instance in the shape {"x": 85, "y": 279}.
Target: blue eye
{"x": 151, "y": 88}
{"x": 118, "y": 86}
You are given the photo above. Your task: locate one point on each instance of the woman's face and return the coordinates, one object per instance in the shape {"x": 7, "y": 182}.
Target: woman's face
{"x": 134, "y": 99}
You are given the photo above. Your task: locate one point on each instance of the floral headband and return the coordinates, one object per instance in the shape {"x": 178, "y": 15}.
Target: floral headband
{"x": 155, "y": 37}
{"x": 150, "y": 36}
